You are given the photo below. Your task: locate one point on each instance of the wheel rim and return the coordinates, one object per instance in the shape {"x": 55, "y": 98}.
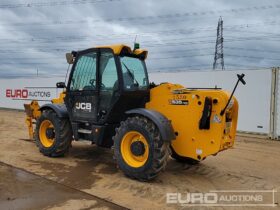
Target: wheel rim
{"x": 46, "y": 140}
{"x": 131, "y": 159}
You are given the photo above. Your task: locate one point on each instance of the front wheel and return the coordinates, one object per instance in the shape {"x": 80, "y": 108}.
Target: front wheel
{"x": 53, "y": 135}
{"x": 139, "y": 149}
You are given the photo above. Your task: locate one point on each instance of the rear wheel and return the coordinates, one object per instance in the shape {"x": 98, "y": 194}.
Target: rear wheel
{"x": 53, "y": 135}
{"x": 139, "y": 149}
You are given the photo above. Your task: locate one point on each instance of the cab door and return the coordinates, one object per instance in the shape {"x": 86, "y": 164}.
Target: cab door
{"x": 109, "y": 85}
{"x": 82, "y": 89}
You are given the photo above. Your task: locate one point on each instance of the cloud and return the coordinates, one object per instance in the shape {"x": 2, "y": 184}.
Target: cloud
{"x": 183, "y": 32}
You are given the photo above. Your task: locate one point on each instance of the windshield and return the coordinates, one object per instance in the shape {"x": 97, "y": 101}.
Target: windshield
{"x": 134, "y": 74}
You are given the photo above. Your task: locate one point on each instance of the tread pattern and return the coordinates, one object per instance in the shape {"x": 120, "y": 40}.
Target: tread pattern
{"x": 63, "y": 134}
{"x": 160, "y": 149}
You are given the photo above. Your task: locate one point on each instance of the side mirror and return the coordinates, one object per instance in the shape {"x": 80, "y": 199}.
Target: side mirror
{"x": 60, "y": 85}
{"x": 69, "y": 58}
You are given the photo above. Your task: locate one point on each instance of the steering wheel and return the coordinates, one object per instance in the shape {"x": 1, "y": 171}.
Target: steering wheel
{"x": 92, "y": 82}
{"x": 102, "y": 86}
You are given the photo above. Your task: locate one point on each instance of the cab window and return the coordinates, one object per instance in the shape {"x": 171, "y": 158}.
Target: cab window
{"x": 134, "y": 74}
{"x": 108, "y": 71}
{"x": 84, "y": 75}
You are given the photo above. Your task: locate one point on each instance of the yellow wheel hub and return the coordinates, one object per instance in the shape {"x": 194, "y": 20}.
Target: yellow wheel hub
{"x": 134, "y": 149}
{"x": 45, "y": 126}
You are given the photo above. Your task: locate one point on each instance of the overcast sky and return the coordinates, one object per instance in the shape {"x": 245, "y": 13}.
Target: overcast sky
{"x": 180, "y": 35}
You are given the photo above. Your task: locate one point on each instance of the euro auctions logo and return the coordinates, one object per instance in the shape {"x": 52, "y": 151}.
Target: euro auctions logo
{"x": 26, "y": 94}
{"x": 224, "y": 198}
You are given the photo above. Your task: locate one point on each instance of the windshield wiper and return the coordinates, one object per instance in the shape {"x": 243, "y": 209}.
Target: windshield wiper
{"x": 130, "y": 74}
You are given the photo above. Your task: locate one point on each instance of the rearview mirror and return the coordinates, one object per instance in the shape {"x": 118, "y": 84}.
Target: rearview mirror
{"x": 70, "y": 58}
{"x": 60, "y": 85}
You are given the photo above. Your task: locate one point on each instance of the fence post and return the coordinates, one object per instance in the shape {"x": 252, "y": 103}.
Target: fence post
{"x": 274, "y": 109}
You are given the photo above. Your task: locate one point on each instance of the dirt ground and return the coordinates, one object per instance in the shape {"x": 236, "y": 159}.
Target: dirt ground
{"x": 22, "y": 190}
{"x": 88, "y": 178}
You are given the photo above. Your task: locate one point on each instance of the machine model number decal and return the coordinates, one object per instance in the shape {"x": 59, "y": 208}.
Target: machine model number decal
{"x": 83, "y": 106}
{"x": 179, "y": 97}
{"x": 178, "y": 102}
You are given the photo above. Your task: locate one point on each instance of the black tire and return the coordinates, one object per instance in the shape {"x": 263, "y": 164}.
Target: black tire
{"x": 158, "y": 149}
{"x": 62, "y": 137}
{"x": 182, "y": 159}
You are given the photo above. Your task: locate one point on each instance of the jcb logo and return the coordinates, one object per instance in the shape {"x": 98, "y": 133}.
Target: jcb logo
{"x": 83, "y": 106}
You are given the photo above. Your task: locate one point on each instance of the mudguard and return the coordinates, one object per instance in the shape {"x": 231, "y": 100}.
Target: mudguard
{"x": 163, "y": 124}
{"x": 59, "y": 109}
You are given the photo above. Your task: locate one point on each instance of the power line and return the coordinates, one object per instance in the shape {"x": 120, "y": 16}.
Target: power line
{"x": 163, "y": 52}
{"x": 166, "y": 32}
{"x": 253, "y": 50}
{"x": 84, "y": 38}
{"x": 151, "y": 58}
{"x": 101, "y": 22}
{"x": 253, "y": 57}
{"x": 165, "y": 44}
{"x": 79, "y": 38}
{"x": 150, "y": 17}
{"x": 52, "y": 3}
{"x": 180, "y": 56}
{"x": 202, "y": 67}
{"x": 251, "y": 32}
{"x": 70, "y": 38}
{"x": 248, "y": 66}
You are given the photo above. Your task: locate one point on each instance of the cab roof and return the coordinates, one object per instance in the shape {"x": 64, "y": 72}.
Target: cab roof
{"x": 119, "y": 49}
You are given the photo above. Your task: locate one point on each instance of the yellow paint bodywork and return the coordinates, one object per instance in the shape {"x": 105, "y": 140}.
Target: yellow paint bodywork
{"x": 141, "y": 52}
{"x": 117, "y": 49}
{"x": 190, "y": 140}
{"x": 60, "y": 99}
{"x": 33, "y": 112}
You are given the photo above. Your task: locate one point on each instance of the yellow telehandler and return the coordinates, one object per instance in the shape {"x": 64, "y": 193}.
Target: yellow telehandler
{"x": 109, "y": 101}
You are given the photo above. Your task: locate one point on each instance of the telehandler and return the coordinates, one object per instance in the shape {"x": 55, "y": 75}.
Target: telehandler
{"x": 109, "y": 101}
